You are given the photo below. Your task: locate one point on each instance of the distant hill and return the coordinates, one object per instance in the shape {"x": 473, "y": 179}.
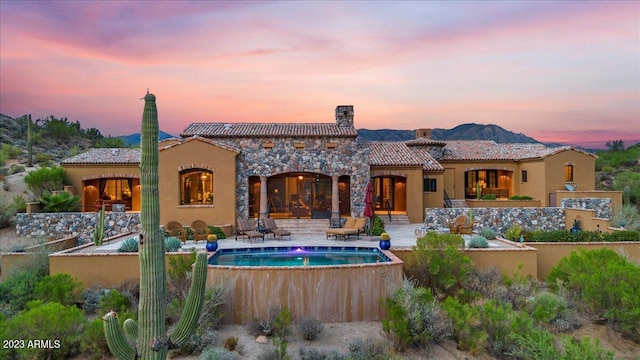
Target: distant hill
{"x": 460, "y": 132}
{"x": 134, "y": 139}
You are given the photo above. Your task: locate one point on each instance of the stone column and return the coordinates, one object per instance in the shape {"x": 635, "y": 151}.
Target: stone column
{"x": 263, "y": 197}
{"x": 335, "y": 202}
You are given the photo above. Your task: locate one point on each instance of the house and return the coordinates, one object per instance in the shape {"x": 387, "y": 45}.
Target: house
{"x": 221, "y": 171}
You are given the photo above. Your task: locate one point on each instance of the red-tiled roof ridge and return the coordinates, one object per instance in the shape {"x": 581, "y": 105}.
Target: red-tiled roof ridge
{"x": 106, "y": 156}
{"x": 397, "y": 153}
{"x": 227, "y": 130}
{"x": 171, "y": 142}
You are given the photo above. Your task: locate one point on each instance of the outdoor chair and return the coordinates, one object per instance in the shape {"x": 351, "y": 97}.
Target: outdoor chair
{"x": 353, "y": 226}
{"x": 461, "y": 226}
{"x": 272, "y": 227}
{"x": 246, "y": 229}
{"x": 176, "y": 229}
{"x": 200, "y": 230}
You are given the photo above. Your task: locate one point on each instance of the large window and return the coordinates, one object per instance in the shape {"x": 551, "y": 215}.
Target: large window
{"x": 115, "y": 189}
{"x": 568, "y": 173}
{"x": 196, "y": 187}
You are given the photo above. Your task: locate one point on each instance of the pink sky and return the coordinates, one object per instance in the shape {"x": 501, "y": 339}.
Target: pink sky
{"x": 565, "y": 71}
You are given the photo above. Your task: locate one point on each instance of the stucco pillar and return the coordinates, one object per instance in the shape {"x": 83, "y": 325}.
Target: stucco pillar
{"x": 335, "y": 201}
{"x": 263, "y": 197}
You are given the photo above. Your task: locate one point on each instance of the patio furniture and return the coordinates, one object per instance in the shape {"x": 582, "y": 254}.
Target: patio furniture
{"x": 461, "y": 226}
{"x": 200, "y": 230}
{"x": 245, "y": 228}
{"x": 353, "y": 226}
{"x": 273, "y": 228}
{"x": 176, "y": 229}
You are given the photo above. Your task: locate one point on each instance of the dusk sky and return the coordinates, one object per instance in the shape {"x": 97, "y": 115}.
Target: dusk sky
{"x": 566, "y": 71}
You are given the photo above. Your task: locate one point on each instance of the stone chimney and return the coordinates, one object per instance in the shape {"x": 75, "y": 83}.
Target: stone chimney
{"x": 423, "y": 133}
{"x": 344, "y": 115}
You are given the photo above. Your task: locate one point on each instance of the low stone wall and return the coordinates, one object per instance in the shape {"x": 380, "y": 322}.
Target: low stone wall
{"x": 499, "y": 219}
{"x": 602, "y": 206}
{"x": 502, "y": 203}
{"x": 80, "y": 224}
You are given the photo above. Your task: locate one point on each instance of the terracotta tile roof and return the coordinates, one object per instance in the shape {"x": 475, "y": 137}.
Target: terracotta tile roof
{"x": 227, "y": 130}
{"x": 391, "y": 154}
{"x": 429, "y": 163}
{"x": 421, "y": 141}
{"x": 490, "y": 150}
{"x": 106, "y": 156}
{"x": 171, "y": 142}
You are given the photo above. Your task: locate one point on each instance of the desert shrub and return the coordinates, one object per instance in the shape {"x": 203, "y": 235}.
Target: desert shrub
{"x": 214, "y": 297}
{"x": 535, "y": 344}
{"x": 257, "y": 327}
{"x": 370, "y": 349}
{"x": 129, "y": 245}
{"x": 485, "y": 282}
{"x": 114, "y": 300}
{"x": 93, "y": 341}
{"x": 10, "y": 151}
{"x": 61, "y": 202}
{"x": 520, "y": 197}
{"x": 377, "y": 227}
{"x": 626, "y": 235}
{"x": 513, "y": 233}
{"x": 320, "y": 354}
{"x": 282, "y": 323}
{"x": 478, "y": 241}
{"x": 414, "y": 318}
{"x": 605, "y": 283}
{"x": 130, "y": 289}
{"x": 489, "y": 197}
{"x": 487, "y": 233}
{"x": 179, "y": 280}
{"x": 19, "y": 204}
{"x": 585, "y": 349}
{"x": 500, "y": 321}
{"x": 467, "y": 331}
{"x": 172, "y": 244}
{"x": 217, "y": 231}
{"x": 630, "y": 179}
{"x": 46, "y": 179}
{"x": 14, "y": 169}
{"x": 276, "y": 352}
{"x": 553, "y": 310}
{"x": 218, "y": 354}
{"x": 91, "y": 299}
{"x": 61, "y": 288}
{"x": 310, "y": 328}
{"x": 437, "y": 263}
{"x": 18, "y": 290}
{"x": 7, "y": 211}
{"x": 628, "y": 214}
{"x": 277, "y": 324}
{"x": 44, "y": 160}
{"x": 230, "y": 343}
{"x": 196, "y": 343}
{"x": 50, "y": 321}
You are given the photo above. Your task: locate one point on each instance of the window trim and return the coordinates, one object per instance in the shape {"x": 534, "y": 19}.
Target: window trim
{"x": 429, "y": 185}
{"x": 206, "y": 190}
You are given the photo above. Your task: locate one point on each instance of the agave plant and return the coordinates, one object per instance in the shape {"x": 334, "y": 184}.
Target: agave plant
{"x": 488, "y": 233}
{"x": 172, "y": 244}
{"x": 129, "y": 245}
{"x": 478, "y": 241}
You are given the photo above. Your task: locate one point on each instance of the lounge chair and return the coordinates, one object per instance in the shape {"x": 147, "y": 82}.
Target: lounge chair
{"x": 176, "y": 229}
{"x": 272, "y": 227}
{"x": 461, "y": 226}
{"x": 200, "y": 230}
{"x": 353, "y": 226}
{"x": 245, "y": 228}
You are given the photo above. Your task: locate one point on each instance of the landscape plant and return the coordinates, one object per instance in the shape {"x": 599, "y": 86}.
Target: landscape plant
{"x": 60, "y": 288}
{"x": 477, "y": 242}
{"x": 172, "y": 244}
{"x": 152, "y": 339}
{"x": 98, "y": 230}
{"x": 63, "y": 201}
{"x": 487, "y": 233}
{"x": 629, "y": 214}
{"x": 129, "y": 244}
{"x": 467, "y": 329}
{"x": 378, "y": 226}
{"x": 513, "y": 233}
{"x": 310, "y": 328}
{"x": 7, "y": 211}
{"x": 45, "y": 179}
{"x": 219, "y": 354}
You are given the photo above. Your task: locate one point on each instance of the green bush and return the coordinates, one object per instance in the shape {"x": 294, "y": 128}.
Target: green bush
{"x": 19, "y": 204}
{"x": 500, "y": 321}
{"x": 513, "y": 233}
{"x": 478, "y": 241}
{"x": 61, "y": 202}
{"x": 535, "y": 344}
{"x": 46, "y": 179}
{"x": 217, "y": 231}
{"x": 437, "y": 263}
{"x": 60, "y": 288}
{"x": 489, "y": 197}
{"x": 583, "y": 236}
{"x": 7, "y": 211}
{"x": 369, "y": 349}
{"x": 218, "y": 354}
{"x": 129, "y": 245}
{"x": 282, "y": 323}
{"x": 520, "y": 197}
{"x": 553, "y": 310}
{"x": 628, "y": 213}
{"x": 310, "y": 328}
{"x": 630, "y": 179}
{"x": 93, "y": 341}
{"x": 378, "y": 226}
{"x": 467, "y": 331}
{"x": 10, "y": 151}
{"x": 114, "y": 300}
{"x": 487, "y": 233}
{"x": 414, "y": 317}
{"x": 178, "y": 271}
{"x": 320, "y": 354}
{"x": 19, "y": 289}
{"x": 605, "y": 283}
{"x": 585, "y": 349}
{"x": 59, "y": 324}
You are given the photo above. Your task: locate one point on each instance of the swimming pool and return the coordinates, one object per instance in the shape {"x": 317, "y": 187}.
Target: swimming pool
{"x": 298, "y": 256}
{"x": 341, "y": 292}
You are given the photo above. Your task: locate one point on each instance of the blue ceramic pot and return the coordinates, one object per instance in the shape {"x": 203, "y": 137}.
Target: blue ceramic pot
{"x": 212, "y": 246}
{"x": 385, "y": 244}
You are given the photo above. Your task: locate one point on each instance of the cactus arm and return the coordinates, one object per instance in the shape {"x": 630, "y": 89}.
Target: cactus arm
{"x": 98, "y": 231}
{"x": 193, "y": 305}
{"x": 131, "y": 330}
{"x": 116, "y": 341}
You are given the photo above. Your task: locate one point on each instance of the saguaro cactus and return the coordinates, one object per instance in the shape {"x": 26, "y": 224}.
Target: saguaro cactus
{"x": 153, "y": 342}
{"x": 29, "y": 141}
{"x": 98, "y": 231}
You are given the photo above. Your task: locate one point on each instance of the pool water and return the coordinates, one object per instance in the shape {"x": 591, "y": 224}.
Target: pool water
{"x": 298, "y": 256}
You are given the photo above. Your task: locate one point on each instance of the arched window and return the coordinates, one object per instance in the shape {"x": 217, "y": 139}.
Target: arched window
{"x": 196, "y": 187}
{"x": 568, "y": 173}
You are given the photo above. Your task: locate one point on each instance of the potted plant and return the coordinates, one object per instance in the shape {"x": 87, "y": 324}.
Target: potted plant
{"x": 385, "y": 241}
{"x": 212, "y": 242}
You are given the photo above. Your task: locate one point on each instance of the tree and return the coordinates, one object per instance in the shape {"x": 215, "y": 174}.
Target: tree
{"x": 616, "y": 145}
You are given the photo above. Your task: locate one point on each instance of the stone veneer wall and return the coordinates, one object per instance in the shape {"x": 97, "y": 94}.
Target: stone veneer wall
{"x": 602, "y": 206}
{"x": 348, "y": 158}
{"x": 59, "y": 225}
{"x": 499, "y": 219}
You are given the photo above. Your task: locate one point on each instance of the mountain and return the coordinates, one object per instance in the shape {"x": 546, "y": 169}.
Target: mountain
{"x": 134, "y": 139}
{"x": 460, "y": 132}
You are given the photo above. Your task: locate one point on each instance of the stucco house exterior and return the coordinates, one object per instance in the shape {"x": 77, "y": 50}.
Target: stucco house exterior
{"x": 223, "y": 171}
